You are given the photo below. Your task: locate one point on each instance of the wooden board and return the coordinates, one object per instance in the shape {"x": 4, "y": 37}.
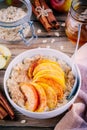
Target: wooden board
{"x": 55, "y": 39}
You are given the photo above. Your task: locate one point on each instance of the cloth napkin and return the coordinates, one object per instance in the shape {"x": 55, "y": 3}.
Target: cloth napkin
{"x": 76, "y": 117}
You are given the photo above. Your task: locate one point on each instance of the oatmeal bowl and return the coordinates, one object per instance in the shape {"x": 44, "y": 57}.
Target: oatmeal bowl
{"x": 39, "y": 81}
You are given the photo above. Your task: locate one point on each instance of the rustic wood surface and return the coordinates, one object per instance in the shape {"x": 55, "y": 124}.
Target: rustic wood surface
{"x": 44, "y": 39}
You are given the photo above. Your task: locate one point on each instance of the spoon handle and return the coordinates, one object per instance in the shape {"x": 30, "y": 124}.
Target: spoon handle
{"x": 73, "y": 62}
{"x": 77, "y": 45}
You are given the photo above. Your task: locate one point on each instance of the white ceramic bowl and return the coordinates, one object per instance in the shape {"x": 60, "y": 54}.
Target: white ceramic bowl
{"x": 46, "y": 52}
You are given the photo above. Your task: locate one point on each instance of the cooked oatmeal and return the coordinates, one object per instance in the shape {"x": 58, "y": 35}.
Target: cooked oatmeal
{"x": 19, "y": 74}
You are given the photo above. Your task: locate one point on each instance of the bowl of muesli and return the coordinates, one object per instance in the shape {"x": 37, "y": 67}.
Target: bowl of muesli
{"x": 38, "y": 81}
{"x": 15, "y": 21}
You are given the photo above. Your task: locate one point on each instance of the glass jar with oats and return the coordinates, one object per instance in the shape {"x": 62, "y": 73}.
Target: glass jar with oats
{"x": 77, "y": 16}
{"x": 15, "y": 23}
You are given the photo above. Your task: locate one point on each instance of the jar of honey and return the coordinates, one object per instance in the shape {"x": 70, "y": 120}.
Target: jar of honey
{"x": 77, "y": 15}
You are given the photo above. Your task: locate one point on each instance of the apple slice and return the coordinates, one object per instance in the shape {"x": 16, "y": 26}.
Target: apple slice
{"x": 35, "y": 63}
{"x": 42, "y": 98}
{"x": 57, "y": 88}
{"x": 2, "y": 62}
{"x": 32, "y": 67}
{"x": 5, "y": 53}
{"x": 48, "y": 65}
{"x": 31, "y": 96}
{"x": 54, "y": 76}
{"x": 51, "y": 72}
{"x": 51, "y": 95}
{"x": 52, "y": 83}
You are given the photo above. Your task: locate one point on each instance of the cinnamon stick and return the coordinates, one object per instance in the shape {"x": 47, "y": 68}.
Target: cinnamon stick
{"x": 42, "y": 19}
{"x": 51, "y": 18}
{"x": 6, "y": 106}
{"x": 3, "y": 113}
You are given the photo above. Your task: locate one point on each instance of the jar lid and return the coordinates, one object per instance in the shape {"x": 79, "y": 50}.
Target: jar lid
{"x": 79, "y": 10}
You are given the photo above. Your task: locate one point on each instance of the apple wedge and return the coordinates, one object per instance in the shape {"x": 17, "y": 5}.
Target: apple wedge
{"x": 2, "y": 62}
{"x": 52, "y": 83}
{"x": 32, "y": 67}
{"x": 51, "y": 72}
{"x": 35, "y": 63}
{"x": 53, "y": 76}
{"x": 51, "y": 95}
{"x": 5, "y": 56}
{"x": 50, "y": 66}
{"x": 42, "y": 98}
{"x": 30, "y": 95}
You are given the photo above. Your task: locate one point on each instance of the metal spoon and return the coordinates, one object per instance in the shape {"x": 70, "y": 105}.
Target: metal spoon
{"x": 73, "y": 63}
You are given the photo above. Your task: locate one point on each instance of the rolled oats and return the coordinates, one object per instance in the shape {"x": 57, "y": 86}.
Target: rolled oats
{"x": 12, "y": 14}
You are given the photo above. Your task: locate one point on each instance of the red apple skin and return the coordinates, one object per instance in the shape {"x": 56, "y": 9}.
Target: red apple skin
{"x": 14, "y": 2}
{"x": 60, "y": 5}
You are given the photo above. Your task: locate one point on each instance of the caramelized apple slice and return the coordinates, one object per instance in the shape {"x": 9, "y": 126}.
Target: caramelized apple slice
{"x": 36, "y": 62}
{"x": 48, "y": 65}
{"x": 57, "y": 88}
{"x": 51, "y": 72}
{"x": 51, "y": 95}
{"x": 52, "y": 83}
{"x": 53, "y": 76}
{"x": 31, "y": 96}
{"x": 42, "y": 98}
{"x": 32, "y": 67}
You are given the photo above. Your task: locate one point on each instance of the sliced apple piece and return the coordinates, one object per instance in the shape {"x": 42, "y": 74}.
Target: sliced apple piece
{"x": 50, "y": 71}
{"x": 32, "y": 67}
{"x": 42, "y": 98}
{"x": 48, "y": 65}
{"x": 2, "y": 62}
{"x": 45, "y": 60}
{"x": 51, "y": 95}
{"x": 31, "y": 96}
{"x": 57, "y": 87}
{"x": 52, "y": 83}
{"x": 36, "y": 62}
{"x": 5, "y": 52}
{"x": 54, "y": 76}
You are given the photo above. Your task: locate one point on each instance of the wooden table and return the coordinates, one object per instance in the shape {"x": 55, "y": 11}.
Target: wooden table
{"x": 55, "y": 39}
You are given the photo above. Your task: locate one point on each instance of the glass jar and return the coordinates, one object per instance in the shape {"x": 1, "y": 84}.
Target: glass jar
{"x": 77, "y": 16}
{"x": 15, "y": 23}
